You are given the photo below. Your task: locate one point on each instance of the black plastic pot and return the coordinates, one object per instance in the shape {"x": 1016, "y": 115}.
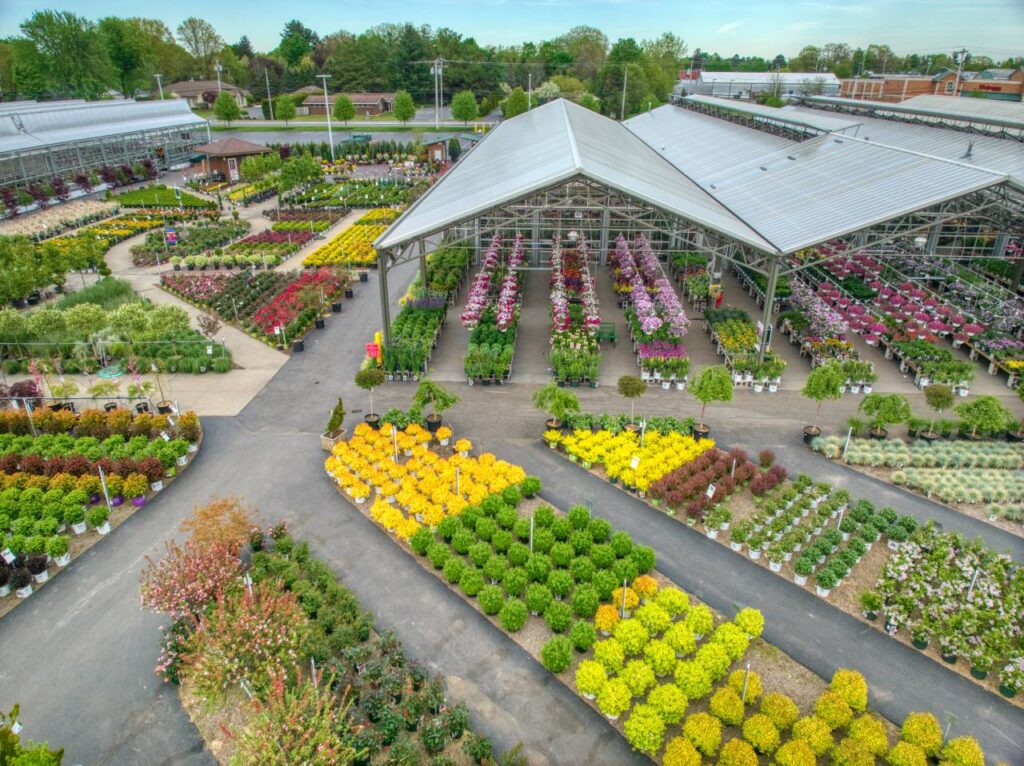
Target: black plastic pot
{"x": 319, "y": 323}
{"x": 142, "y": 408}
{"x": 364, "y": 276}
{"x": 110, "y": 406}
{"x": 164, "y": 407}
{"x": 701, "y": 432}
{"x": 372, "y": 420}
{"x": 810, "y": 434}
{"x": 1015, "y": 436}
{"x": 949, "y": 658}
{"x": 433, "y": 425}
{"x": 349, "y": 293}
{"x": 298, "y": 345}
{"x": 880, "y": 435}
{"x": 336, "y": 307}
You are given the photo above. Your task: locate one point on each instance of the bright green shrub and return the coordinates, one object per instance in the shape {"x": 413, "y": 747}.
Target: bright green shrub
{"x": 870, "y": 732}
{"x": 851, "y": 752}
{"x": 906, "y": 754}
{"x": 660, "y": 656}
{"x": 704, "y": 732}
{"x": 715, "y": 660}
{"x": 669, "y": 701}
{"x": 582, "y": 569}
{"x": 726, "y": 706}
{"x": 558, "y": 616}
{"x": 675, "y": 602}
{"x": 753, "y": 682}
{"x": 750, "y": 621}
{"x": 693, "y": 679}
{"x": 815, "y": 732}
{"x": 421, "y": 540}
{"x": 736, "y": 752}
{"x": 600, "y": 530}
{"x": 699, "y": 619}
{"x": 923, "y": 730}
{"x": 471, "y": 582}
{"x": 681, "y": 752}
{"x": 538, "y": 598}
{"x": 513, "y": 615}
{"x": 654, "y": 618}
{"x": 453, "y": 569}
{"x": 781, "y": 709}
{"x": 538, "y": 567}
{"x": 438, "y": 554}
{"x": 582, "y": 635}
{"x": 645, "y": 729}
{"x": 621, "y": 544}
{"x": 585, "y": 601}
{"x": 796, "y": 752}
{"x": 760, "y": 732}
{"x": 480, "y": 552}
{"x": 644, "y": 558}
{"x": 632, "y": 635}
{"x": 614, "y": 698}
{"x": 851, "y": 686}
{"x": 579, "y": 516}
{"x": 962, "y": 751}
{"x": 638, "y": 677}
{"x": 681, "y": 639}
{"x": 561, "y": 554}
{"x": 556, "y": 654}
{"x": 491, "y": 599}
{"x": 610, "y": 654}
{"x": 514, "y": 581}
{"x": 590, "y": 677}
{"x": 833, "y": 710}
{"x": 560, "y": 583}
{"x": 732, "y": 638}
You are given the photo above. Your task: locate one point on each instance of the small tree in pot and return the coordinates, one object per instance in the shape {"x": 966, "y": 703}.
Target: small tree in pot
{"x": 985, "y": 414}
{"x": 632, "y": 388}
{"x": 368, "y": 379}
{"x": 824, "y": 383}
{"x": 557, "y": 402}
{"x": 885, "y": 410}
{"x": 939, "y": 398}
{"x": 713, "y": 384}
{"x": 334, "y": 432}
{"x": 438, "y": 397}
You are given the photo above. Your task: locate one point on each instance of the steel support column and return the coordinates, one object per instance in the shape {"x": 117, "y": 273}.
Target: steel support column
{"x": 606, "y": 221}
{"x": 769, "y": 300}
{"x": 385, "y": 307}
{"x": 476, "y": 241}
{"x": 422, "y": 246}
{"x": 933, "y": 239}
{"x": 535, "y": 233}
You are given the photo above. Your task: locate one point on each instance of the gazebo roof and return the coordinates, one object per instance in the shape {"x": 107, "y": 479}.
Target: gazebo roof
{"x": 231, "y": 147}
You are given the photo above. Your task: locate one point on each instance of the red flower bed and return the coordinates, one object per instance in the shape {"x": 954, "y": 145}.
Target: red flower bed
{"x": 687, "y": 485}
{"x": 270, "y": 237}
{"x": 200, "y": 287}
{"x": 288, "y": 304}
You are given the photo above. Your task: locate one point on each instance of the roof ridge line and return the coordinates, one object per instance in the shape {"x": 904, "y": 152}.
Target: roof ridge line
{"x": 577, "y": 159}
{"x": 695, "y": 182}
{"x": 915, "y": 153}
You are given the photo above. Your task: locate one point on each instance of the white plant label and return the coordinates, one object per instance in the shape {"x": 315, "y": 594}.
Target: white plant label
{"x": 165, "y": 436}
{"x": 16, "y": 727}
{"x": 8, "y": 555}
{"x": 710, "y": 491}
{"x": 634, "y": 463}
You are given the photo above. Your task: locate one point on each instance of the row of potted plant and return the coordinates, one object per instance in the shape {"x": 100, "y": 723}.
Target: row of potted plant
{"x": 575, "y": 350}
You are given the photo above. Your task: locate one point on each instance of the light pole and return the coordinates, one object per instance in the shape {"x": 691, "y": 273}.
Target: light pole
{"x": 270, "y": 99}
{"x": 217, "y": 67}
{"x": 160, "y": 85}
{"x": 327, "y": 111}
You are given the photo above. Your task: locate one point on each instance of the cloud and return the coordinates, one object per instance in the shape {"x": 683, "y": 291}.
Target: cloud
{"x": 732, "y": 26}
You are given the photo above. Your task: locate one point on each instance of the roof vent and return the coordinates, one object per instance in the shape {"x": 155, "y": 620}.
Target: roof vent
{"x": 838, "y": 140}
{"x": 790, "y": 157}
{"x": 970, "y": 150}
{"x": 763, "y": 167}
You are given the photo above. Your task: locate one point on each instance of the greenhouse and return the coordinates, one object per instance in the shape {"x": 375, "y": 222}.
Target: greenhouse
{"x": 41, "y": 140}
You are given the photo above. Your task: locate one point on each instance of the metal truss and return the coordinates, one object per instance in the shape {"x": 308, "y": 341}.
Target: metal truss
{"x": 963, "y": 125}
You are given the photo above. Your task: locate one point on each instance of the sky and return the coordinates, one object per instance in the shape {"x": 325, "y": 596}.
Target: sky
{"x": 756, "y": 27}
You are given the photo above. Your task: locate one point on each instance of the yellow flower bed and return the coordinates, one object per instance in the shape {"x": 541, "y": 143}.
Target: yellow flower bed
{"x": 353, "y": 247}
{"x": 419, "y": 489}
{"x": 661, "y": 453}
{"x": 379, "y": 215}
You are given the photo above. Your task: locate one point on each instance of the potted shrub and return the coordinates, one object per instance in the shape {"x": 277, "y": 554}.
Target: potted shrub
{"x": 712, "y": 384}
{"x": 57, "y": 548}
{"x": 871, "y": 603}
{"x": 826, "y": 581}
{"x": 824, "y": 382}
{"x": 632, "y": 388}
{"x": 5, "y": 580}
{"x": 803, "y": 567}
{"x": 939, "y": 397}
{"x": 984, "y": 415}
{"x": 36, "y": 566}
{"x": 884, "y": 410}
{"x": 557, "y": 402}
{"x": 438, "y": 397}
{"x": 21, "y": 581}
{"x": 98, "y": 517}
{"x": 75, "y": 516}
{"x": 368, "y": 379}
{"x": 334, "y": 432}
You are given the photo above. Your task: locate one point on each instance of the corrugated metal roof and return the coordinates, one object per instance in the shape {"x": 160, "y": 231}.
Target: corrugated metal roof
{"x": 980, "y": 111}
{"x": 548, "y": 146}
{"x": 69, "y": 123}
{"x": 818, "y": 122}
{"x": 786, "y": 77}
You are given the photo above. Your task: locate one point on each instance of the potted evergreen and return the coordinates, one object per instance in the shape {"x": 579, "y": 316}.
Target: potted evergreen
{"x": 824, "y": 382}
{"x": 712, "y": 384}
{"x": 334, "y": 433}
{"x": 438, "y": 397}
{"x": 368, "y": 379}
{"x": 884, "y": 410}
{"x": 557, "y": 402}
{"x": 939, "y": 397}
{"x": 632, "y": 388}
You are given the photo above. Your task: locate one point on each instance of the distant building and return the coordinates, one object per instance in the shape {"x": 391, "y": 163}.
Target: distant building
{"x": 202, "y": 93}
{"x": 998, "y": 84}
{"x": 366, "y": 104}
{"x": 224, "y": 157}
{"x": 750, "y": 85}
{"x": 900, "y": 87}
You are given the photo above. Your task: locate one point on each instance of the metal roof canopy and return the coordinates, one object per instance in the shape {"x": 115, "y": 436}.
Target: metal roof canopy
{"x": 1003, "y": 115}
{"x": 759, "y": 112}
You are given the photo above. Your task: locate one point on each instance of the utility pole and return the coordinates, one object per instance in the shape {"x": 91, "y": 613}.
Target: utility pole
{"x": 437, "y": 69}
{"x": 217, "y": 67}
{"x": 959, "y": 56}
{"x": 270, "y": 99}
{"x": 327, "y": 111}
{"x": 625, "y": 79}
{"x": 160, "y": 85}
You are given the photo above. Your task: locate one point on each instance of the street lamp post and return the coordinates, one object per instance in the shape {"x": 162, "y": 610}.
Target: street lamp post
{"x": 327, "y": 111}
{"x": 160, "y": 85}
{"x": 217, "y": 67}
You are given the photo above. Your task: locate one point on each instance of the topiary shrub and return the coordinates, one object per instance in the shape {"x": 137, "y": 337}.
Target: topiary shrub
{"x": 906, "y": 754}
{"x": 963, "y": 751}
{"x": 699, "y": 619}
{"x": 851, "y": 686}
{"x": 726, "y": 706}
{"x": 421, "y": 540}
{"x": 582, "y": 569}
{"x": 585, "y": 601}
{"x": 796, "y": 752}
{"x": 538, "y": 597}
{"x": 736, "y": 752}
{"x": 453, "y": 569}
{"x": 513, "y": 615}
{"x": 660, "y": 656}
{"x": 654, "y": 618}
{"x": 681, "y": 639}
{"x": 681, "y": 752}
{"x": 438, "y": 554}
{"x": 851, "y": 752}
{"x": 761, "y": 733}
{"x": 514, "y": 581}
{"x": 614, "y": 698}
{"x": 669, "y": 701}
{"x": 923, "y": 730}
{"x": 621, "y": 544}
{"x": 815, "y": 732}
{"x": 644, "y": 558}
{"x": 632, "y": 636}
{"x": 750, "y": 621}
{"x": 753, "y": 683}
{"x": 556, "y": 654}
{"x": 560, "y": 583}
{"x": 582, "y": 635}
{"x": 471, "y": 582}
{"x": 590, "y": 677}
{"x": 704, "y": 732}
{"x": 693, "y": 679}
{"x": 674, "y": 601}
{"x": 530, "y": 486}
{"x": 558, "y": 616}
{"x": 645, "y": 729}
{"x": 491, "y": 599}
{"x": 638, "y": 677}
{"x": 870, "y": 732}
{"x": 781, "y": 709}
{"x": 714, "y": 659}
{"x": 731, "y": 638}
{"x": 833, "y": 710}
{"x": 610, "y": 654}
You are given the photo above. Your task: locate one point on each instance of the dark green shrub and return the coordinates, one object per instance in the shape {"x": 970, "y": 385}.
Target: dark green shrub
{"x": 582, "y": 635}
{"x": 538, "y": 567}
{"x": 560, "y": 582}
{"x": 600, "y": 530}
{"x": 603, "y": 556}
{"x": 557, "y": 654}
{"x": 621, "y": 544}
{"x": 644, "y": 558}
{"x": 585, "y": 601}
